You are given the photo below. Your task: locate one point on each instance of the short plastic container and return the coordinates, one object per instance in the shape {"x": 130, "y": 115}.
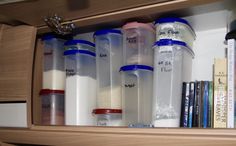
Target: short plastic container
{"x": 138, "y": 41}
{"x": 172, "y": 67}
{"x": 109, "y": 60}
{"x": 53, "y": 66}
{"x": 176, "y": 29}
{"x": 79, "y": 45}
{"x": 52, "y": 107}
{"x": 137, "y": 87}
{"x": 108, "y": 117}
{"x": 80, "y": 99}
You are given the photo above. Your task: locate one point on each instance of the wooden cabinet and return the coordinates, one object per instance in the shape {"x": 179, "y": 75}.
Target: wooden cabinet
{"x": 18, "y": 84}
{"x": 16, "y": 62}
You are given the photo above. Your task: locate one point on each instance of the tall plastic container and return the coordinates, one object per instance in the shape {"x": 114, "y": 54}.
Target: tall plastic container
{"x": 109, "y": 60}
{"x": 137, "y": 91}
{"x": 53, "y": 63}
{"x": 172, "y": 66}
{"x": 176, "y": 29}
{"x": 138, "y": 41}
{"x": 80, "y": 99}
{"x": 52, "y": 107}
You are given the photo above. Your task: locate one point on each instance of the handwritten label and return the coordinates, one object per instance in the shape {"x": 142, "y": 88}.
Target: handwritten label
{"x": 70, "y": 72}
{"x": 102, "y": 55}
{"x": 129, "y": 85}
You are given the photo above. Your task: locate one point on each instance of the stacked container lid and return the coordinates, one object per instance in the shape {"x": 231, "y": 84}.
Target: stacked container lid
{"x": 80, "y": 66}
{"x": 137, "y": 73}
{"x": 52, "y": 94}
{"x": 172, "y": 66}
{"x": 109, "y": 60}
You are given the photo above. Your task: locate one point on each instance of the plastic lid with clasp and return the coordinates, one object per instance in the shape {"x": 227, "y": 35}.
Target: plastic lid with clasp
{"x": 49, "y": 91}
{"x": 170, "y": 42}
{"x": 72, "y": 52}
{"x": 107, "y": 111}
{"x": 106, "y": 31}
{"x": 136, "y": 67}
{"x": 173, "y": 20}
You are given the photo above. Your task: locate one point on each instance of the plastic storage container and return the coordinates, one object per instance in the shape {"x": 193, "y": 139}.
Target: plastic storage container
{"x": 172, "y": 66}
{"x": 137, "y": 87}
{"x": 176, "y": 29}
{"x": 52, "y": 107}
{"x": 53, "y": 66}
{"x": 109, "y": 60}
{"x": 108, "y": 117}
{"x": 79, "y": 45}
{"x": 80, "y": 99}
{"x": 138, "y": 41}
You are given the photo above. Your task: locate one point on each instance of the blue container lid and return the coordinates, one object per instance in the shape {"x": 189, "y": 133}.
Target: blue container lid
{"x": 75, "y": 42}
{"x": 136, "y": 67}
{"x": 106, "y": 31}
{"x": 170, "y": 42}
{"x": 72, "y": 52}
{"x": 171, "y": 20}
{"x": 48, "y": 37}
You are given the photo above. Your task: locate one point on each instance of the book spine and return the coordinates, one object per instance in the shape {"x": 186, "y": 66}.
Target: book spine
{"x": 191, "y": 103}
{"x": 183, "y": 104}
{"x": 196, "y": 104}
{"x": 220, "y": 93}
{"x": 210, "y": 105}
{"x": 186, "y": 106}
{"x": 231, "y": 84}
{"x": 205, "y": 104}
{"x": 201, "y": 105}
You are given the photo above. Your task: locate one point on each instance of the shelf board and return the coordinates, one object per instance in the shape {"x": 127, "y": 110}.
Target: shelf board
{"x": 96, "y": 136}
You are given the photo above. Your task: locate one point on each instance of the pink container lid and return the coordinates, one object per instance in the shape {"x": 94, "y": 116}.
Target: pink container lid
{"x": 148, "y": 26}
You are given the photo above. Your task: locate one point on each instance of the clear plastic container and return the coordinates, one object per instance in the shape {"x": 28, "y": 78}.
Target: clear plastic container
{"x": 172, "y": 66}
{"x": 53, "y": 66}
{"x": 176, "y": 29}
{"x": 109, "y": 60}
{"x": 137, "y": 87}
{"x": 52, "y": 107}
{"x": 108, "y": 117}
{"x": 79, "y": 45}
{"x": 138, "y": 41}
{"x": 80, "y": 99}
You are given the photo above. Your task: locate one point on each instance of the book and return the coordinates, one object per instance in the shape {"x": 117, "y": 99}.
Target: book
{"x": 210, "y": 105}
{"x": 231, "y": 83}
{"x": 182, "y": 104}
{"x": 205, "y": 104}
{"x": 191, "y": 104}
{"x": 220, "y": 93}
{"x": 201, "y": 107}
{"x": 196, "y": 106}
{"x": 185, "y": 105}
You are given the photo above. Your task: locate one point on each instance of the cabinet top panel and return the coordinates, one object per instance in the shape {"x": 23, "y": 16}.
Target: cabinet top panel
{"x": 93, "y": 14}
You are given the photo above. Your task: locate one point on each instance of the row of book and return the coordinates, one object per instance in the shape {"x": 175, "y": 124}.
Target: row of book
{"x": 212, "y": 104}
{"x": 197, "y": 104}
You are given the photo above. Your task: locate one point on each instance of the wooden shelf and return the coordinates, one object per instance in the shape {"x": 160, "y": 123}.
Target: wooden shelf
{"x": 97, "y": 136}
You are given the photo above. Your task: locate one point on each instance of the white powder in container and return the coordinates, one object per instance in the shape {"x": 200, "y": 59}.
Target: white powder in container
{"x": 54, "y": 79}
{"x": 166, "y": 123}
{"x": 80, "y": 100}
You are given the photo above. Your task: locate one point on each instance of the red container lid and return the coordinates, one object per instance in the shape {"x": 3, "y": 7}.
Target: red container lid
{"x": 148, "y": 26}
{"x": 49, "y": 91}
{"x": 107, "y": 111}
